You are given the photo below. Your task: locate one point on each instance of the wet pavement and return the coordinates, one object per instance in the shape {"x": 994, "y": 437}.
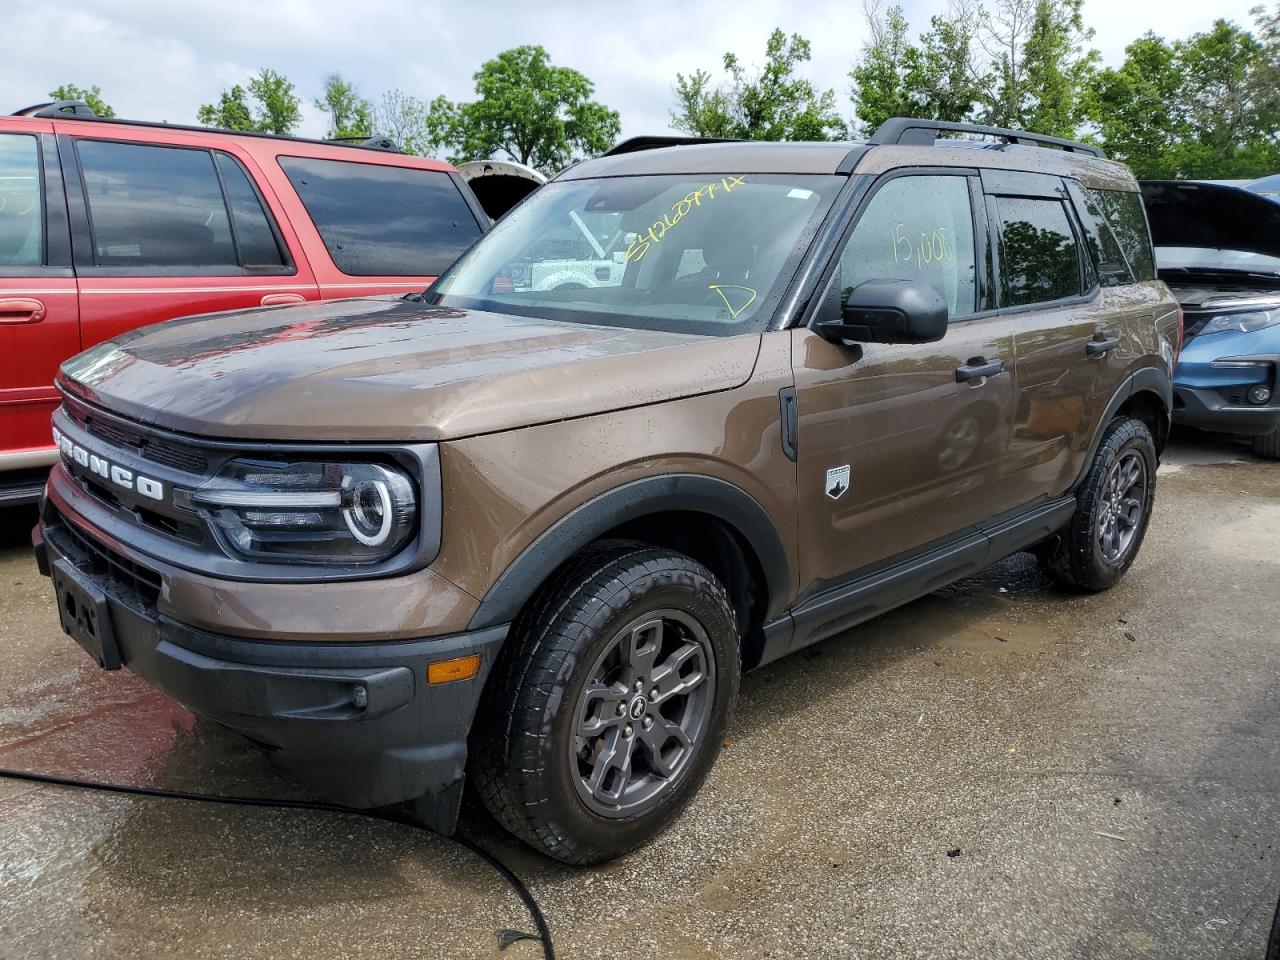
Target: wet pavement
{"x": 1107, "y": 768}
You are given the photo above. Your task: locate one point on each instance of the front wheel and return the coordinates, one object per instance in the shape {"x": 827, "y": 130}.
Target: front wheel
{"x": 609, "y": 704}
{"x": 1102, "y": 540}
{"x": 1268, "y": 445}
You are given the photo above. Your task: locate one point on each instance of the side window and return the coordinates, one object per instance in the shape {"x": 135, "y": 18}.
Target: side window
{"x": 155, "y": 206}
{"x": 916, "y": 228}
{"x": 1125, "y": 214}
{"x": 1037, "y": 250}
{"x": 386, "y": 221}
{"x": 255, "y": 240}
{"x": 21, "y": 202}
{"x": 1109, "y": 261}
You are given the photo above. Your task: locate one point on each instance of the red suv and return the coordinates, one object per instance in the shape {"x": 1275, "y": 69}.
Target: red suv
{"x": 107, "y": 225}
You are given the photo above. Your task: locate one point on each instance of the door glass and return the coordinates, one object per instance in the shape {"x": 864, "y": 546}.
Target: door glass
{"x": 254, "y": 236}
{"x": 1038, "y": 261}
{"x": 1127, "y": 217}
{"x": 155, "y": 206}
{"x": 916, "y": 228}
{"x": 21, "y": 204}
{"x": 381, "y": 221}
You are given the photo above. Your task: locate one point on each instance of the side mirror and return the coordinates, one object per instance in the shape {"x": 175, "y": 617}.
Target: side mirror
{"x": 888, "y": 311}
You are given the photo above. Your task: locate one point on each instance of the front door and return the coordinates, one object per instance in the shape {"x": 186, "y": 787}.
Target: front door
{"x": 903, "y": 445}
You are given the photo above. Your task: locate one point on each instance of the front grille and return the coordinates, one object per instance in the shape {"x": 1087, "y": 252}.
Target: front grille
{"x": 169, "y": 453}
{"x": 102, "y": 561}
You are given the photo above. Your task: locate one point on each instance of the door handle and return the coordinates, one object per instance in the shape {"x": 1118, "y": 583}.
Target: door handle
{"x": 21, "y": 310}
{"x": 276, "y": 299}
{"x": 1100, "y": 344}
{"x": 979, "y": 369}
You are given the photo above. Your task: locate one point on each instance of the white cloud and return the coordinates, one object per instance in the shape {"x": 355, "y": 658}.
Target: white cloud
{"x": 159, "y": 60}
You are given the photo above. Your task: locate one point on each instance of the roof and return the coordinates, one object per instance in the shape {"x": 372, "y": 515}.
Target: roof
{"x": 898, "y": 142}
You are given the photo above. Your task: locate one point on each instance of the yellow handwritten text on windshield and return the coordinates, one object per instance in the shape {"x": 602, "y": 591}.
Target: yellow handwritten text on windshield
{"x": 679, "y": 210}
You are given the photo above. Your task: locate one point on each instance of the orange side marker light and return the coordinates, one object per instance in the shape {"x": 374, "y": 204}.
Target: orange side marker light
{"x": 459, "y": 668}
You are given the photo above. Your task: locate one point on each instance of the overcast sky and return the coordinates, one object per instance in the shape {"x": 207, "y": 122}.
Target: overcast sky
{"x": 161, "y": 59}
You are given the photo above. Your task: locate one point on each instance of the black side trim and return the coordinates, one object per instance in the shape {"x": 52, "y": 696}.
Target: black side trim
{"x": 684, "y": 492}
{"x": 856, "y": 601}
{"x": 789, "y": 416}
{"x": 77, "y": 209}
{"x": 57, "y": 233}
{"x": 1152, "y": 380}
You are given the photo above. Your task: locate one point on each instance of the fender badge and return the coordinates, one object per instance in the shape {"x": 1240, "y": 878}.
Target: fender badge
{"x": 837, "y": 481}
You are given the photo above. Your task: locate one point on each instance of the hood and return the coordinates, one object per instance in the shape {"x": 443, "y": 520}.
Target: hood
{"x": 391, "y": 370}
{"x": 1186, "y": 213}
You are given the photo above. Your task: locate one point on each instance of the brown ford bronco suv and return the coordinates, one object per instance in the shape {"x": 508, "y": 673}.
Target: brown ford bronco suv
{"x": 537, "y": 534}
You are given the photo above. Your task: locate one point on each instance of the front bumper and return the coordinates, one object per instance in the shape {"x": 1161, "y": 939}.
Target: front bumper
{"x": 1213, "y": 394}
{"x": 358, "y": 722}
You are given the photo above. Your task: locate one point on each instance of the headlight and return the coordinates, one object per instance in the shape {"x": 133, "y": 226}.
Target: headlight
{"x": 1242, "y": 322}
{"x": 318, "y": 512}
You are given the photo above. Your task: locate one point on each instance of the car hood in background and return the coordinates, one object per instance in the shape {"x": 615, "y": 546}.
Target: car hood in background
{"x": 1186, "y": 213}
{"x": 391, "y": 370}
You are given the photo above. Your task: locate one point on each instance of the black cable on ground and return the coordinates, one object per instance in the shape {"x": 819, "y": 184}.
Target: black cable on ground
{"x": 505, "y": 937}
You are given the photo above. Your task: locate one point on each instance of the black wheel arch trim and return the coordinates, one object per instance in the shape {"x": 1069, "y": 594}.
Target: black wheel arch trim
{"x": 689, "y": 493}
{"x": 1149, "y": 380}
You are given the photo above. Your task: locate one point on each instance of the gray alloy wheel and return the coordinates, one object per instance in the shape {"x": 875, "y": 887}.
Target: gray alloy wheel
{"x": 642, "y": 713}
{"x": 1122, "y": 503}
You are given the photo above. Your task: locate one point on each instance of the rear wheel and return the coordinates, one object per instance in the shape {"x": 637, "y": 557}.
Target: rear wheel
{"x": 1268, "y": 445}
{"x": 1100, "y": 543}
{"x": 609, "y": 704}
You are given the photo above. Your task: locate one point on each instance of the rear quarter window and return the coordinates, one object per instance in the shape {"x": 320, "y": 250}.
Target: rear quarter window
{"x": 1124, "y": 213}
{"x": 378, "y": 220}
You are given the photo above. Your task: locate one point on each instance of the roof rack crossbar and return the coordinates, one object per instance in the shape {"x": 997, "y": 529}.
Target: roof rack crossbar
{"x": 636, "y": 144}
{"x": 908, "y": 132}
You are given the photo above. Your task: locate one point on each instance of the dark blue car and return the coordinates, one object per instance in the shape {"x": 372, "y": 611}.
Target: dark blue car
{"x": 1218, "y": 249}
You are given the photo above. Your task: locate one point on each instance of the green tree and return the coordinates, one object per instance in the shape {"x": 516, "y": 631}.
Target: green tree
{"x": 1039, "y": 65}
{"x": 527, "y": 108}
{"x": 275, "y": 106}
{"x": 350, "y": 114}
{"x": 882, "y": 82}
{"x": 404, "y": 119}
{"x": 771, "y": 103}
{"x": 92, "y": 96}
{"x": 1135, "y": 108}
{"x": 947, "y": 79}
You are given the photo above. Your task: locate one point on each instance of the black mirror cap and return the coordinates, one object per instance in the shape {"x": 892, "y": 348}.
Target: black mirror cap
{"x": 889, "y": 311}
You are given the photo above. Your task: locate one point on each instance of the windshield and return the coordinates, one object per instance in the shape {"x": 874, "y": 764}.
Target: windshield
{"x": 704, "y": 253}
{"x": 1206, "y": 258}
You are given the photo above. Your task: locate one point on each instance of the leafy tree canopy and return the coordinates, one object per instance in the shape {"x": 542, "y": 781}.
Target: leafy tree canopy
{"x": 527, "y": 108}
{"x": 770, "y": 103}
{"x": 350, "y": 114}
{"x": 269, "y": 105}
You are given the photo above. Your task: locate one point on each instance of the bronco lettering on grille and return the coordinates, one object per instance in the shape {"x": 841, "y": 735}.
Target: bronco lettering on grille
{"x": 107, "y": 470}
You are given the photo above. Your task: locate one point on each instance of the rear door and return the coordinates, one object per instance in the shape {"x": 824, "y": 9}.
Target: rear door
{"x": 380, "y": 227}
{"x": 38, "y": 310}
{"x": 1047, "y": 289}
{"x": 170, "y": 229}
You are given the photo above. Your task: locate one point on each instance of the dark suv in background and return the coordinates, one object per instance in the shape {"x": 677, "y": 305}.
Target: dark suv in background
{"x": 537, "y": 534}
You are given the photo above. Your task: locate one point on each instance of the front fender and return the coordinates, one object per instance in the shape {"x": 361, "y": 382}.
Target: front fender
{"x": 591, "y": 520}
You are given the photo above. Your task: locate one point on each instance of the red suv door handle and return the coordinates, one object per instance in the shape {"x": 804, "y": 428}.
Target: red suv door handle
{"x": 21, "y": 310}
{"x": 275, "y": 299}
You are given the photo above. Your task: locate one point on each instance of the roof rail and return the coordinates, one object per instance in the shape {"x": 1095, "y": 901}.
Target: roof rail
{"x": 636, "y": 144}
{"x": 57, "y": 108}
{"x": 374, "y": 143}
{"x": 920, "y": 133}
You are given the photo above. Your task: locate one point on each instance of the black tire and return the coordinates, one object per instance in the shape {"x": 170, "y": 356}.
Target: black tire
{"x": 1077, "y": 558}
{"x": 1267, "y": 445}
{"x": 524, "y": 764}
